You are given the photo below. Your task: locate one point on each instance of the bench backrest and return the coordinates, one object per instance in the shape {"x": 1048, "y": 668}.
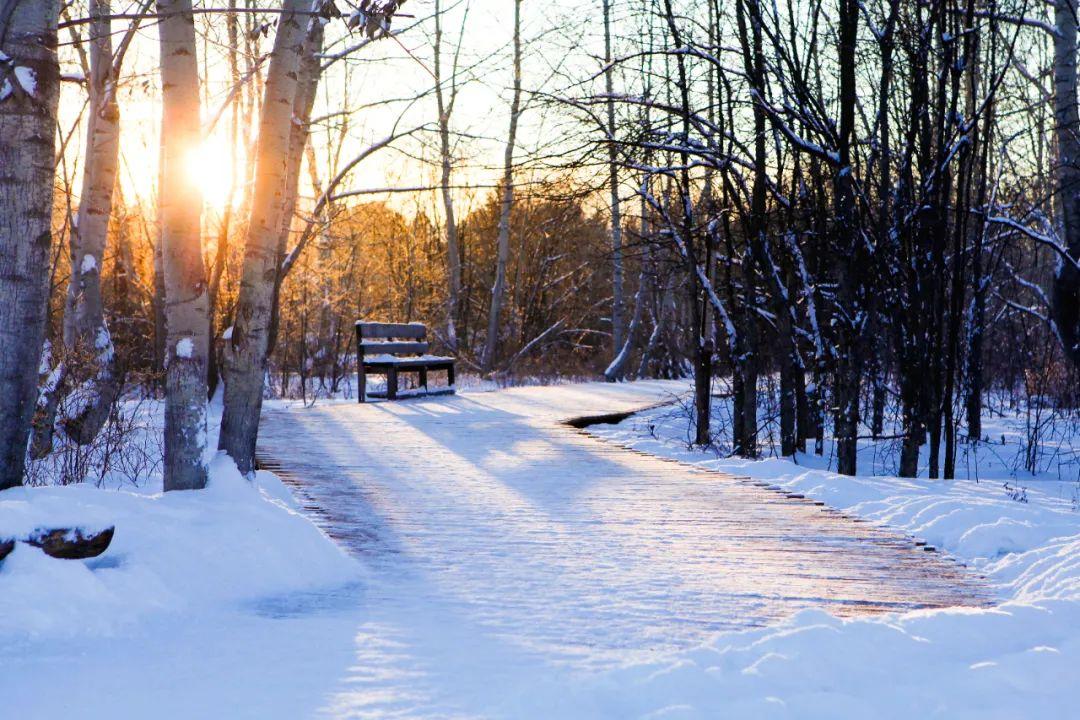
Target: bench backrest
{"x": 391, "y": 338}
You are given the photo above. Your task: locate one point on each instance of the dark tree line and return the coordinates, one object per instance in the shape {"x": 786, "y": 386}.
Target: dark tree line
{"x": 858, "y": 195}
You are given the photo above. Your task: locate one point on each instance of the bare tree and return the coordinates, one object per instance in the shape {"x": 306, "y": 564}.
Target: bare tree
{"x": 29, "y": 95}
{"x": 498, "y": 289}
{"x": 445, "y": 99}
{"x": 618, "y": 301}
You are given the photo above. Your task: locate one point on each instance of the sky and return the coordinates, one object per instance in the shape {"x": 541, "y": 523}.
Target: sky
{"x": 397, "y": 68}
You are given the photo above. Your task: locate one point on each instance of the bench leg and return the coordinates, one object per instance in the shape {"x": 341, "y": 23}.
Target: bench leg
{"x": 423, "y": 378}
{"x": 391, "y": 384}
{"x": 450, "y": 376}
{"x": 361, "y": 382}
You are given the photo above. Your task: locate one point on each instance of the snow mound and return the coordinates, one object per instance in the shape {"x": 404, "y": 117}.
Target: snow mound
{"x": 178, "y": 552}
{"x": 949, "y": 663}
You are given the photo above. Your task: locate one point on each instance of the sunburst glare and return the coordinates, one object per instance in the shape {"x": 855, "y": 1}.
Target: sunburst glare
{"x": 214, "y": 168}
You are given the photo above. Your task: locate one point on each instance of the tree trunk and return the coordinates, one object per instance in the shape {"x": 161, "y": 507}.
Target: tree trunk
{"x": 705, "y": 345}
{"x": 886, "y": 222}
{"x": 221, "y": 252}
{"x": 158, "y": 301}
{"x": 307, "y": 82}
{"x": 759, "y": 257}
{"x": 848, "y": 365}
{"x": 453, "y": 252}
{"x": 802, "y": 411}
{"x": 965, "y": 174}
{"x": 618, "y": 301}
{"x": 186, "y": 305}
{"x": 88, "y": 345}
{"x": 498, "y": 289}
{"x": 617, "y": 369}
{"x": 28, "y": 107}
{"x": 977, "y": 322}
{"x": 246, "y": 352}
{"x": 914, "y": 436}
{"x": 877, "y": 404}
{"x": 1065, "y": 296}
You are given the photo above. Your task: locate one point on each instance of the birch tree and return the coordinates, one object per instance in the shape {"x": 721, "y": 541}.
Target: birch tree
{"x": 89, "y": 352}
{"x": 307, "y": 82}
{"x": 186, "y": 300}
{"x": 29, "y": 95}
{"x": 246, "y": 351}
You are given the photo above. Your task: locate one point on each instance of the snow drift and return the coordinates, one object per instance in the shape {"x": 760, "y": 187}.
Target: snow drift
{"x": 172, "y": 553}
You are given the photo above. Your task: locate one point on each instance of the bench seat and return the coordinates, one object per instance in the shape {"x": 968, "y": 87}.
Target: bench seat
{"x": 391, "y": 348}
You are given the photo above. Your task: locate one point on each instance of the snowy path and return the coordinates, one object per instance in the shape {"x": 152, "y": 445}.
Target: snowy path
{"x": 505, "y": 545}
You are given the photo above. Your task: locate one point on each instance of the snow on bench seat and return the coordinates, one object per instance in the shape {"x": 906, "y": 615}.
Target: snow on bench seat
{"x": 385, "y": 359}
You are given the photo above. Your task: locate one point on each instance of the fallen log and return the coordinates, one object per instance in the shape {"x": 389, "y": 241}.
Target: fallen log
{"x": 71, "y": 543}
{"x": 6, "y": 546}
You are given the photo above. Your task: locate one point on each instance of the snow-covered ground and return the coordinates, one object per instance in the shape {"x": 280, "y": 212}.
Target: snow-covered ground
{"x": 191, "y": 609}
{"x": 230, "y": 603}
{"x": 1015, "y": 660}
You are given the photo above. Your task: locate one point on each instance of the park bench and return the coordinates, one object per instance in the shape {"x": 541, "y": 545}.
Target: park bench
{"x": 393, "y": 348}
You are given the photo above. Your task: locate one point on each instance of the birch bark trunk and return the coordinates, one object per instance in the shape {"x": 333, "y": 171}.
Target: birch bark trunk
{"x": 245, "y": 355}
{"x": 186, "y": 301}
{"x": 29, "y": 94}
{"x": 307, "y": 82}
{"x": 88, "y": 344}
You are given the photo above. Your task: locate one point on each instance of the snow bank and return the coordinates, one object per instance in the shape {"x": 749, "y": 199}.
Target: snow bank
{"x": 1015, "y": 660}
{"x": 172, "y": 553}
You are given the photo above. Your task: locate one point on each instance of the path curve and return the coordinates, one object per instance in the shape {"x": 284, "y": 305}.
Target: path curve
{"x": 488, "y": 521}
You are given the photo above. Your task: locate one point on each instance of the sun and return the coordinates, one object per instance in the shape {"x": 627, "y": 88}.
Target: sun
{"x": 210, "y": 166}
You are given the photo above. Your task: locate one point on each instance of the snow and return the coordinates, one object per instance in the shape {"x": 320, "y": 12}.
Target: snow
{"x": 45, "y": 362}
{"x": 89, "y": 264}
{"x": 191, "y": 583}
{"x": 103, "y": 342}
{"x": 387, "y": 358}
{"x": 185, "y": 347}
{"x": 1011, "y": 660}
{"x": 230, "y": 602}
{"x": 26, "y": 78}
{"x": 172, "y": 553}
